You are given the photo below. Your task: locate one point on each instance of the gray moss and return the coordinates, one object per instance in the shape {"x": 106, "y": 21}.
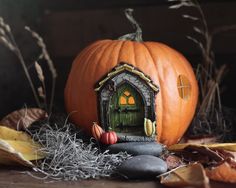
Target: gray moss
{"x": 69, "y": 158}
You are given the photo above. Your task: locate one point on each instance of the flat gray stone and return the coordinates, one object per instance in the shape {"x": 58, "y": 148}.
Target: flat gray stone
{"x": 129, "y": 138}
{"x": 137, "y": 148}
{"x": 142, "y": 167}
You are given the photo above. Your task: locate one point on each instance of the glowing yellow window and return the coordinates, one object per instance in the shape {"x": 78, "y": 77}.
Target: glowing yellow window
{"x": 126, "y": 93}
{"x": 126, "y": 99}
{"x": 131, "y": 100}
{"x": 123, "y": 100}
{"x": 184, "y": 87}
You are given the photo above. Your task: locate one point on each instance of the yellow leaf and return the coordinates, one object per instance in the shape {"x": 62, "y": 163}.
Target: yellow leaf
{"x": 225, "y": 146}
{"x": 11, "y": 134}
{"x": 17, "y": 147}
{"x": 13, "y": 158}
{"x": 191, "y": 175}
{"x": 29, "y": 150}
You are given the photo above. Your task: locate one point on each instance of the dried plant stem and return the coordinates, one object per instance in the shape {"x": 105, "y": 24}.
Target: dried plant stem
{"x": 46, "y": 56}
{"x": 209, "y": 118}
{"x": 21, "y": 59}
{"x": 7, "y": 39}
{"x": 136, "y": 36}
{"x": 41, "y": 90}
{"x": 52, "y": 95}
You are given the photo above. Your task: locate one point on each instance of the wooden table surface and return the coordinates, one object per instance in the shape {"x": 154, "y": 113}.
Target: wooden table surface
{"x": 17, "y": 178}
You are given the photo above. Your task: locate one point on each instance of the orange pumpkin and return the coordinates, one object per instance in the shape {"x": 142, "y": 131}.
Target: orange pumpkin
{"x": 97, "y": 131}
{"x": 168, "y": 69}
{"x": 108, "y": 138}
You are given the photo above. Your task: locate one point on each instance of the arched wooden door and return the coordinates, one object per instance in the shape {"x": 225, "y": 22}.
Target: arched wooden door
{"x": 126, "y": 110}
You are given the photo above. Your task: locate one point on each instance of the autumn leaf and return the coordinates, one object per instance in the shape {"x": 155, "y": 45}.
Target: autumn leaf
{"x": 224, "y": 173}
{"x": 190, "y": 175}
{"x": 23, "y": 118}
{"x": 225, "y": 146}
{"x": 17, "y": 147}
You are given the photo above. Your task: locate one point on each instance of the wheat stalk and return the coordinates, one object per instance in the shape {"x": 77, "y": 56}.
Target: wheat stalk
{"x": 42, "y": 89}
{"x": 7, "y": 39}
{"x": 49, "y": 61}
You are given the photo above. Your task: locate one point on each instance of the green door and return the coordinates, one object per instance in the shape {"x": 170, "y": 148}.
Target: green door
{"x": 126, "y": 110}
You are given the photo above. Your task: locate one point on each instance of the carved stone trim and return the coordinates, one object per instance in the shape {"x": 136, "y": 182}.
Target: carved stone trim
{"x": 126, "y": 67}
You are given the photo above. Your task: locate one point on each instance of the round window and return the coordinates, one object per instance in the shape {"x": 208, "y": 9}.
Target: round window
{"x": 184, "y": 87}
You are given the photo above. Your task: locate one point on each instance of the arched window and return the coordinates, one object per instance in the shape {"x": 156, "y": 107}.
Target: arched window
{"x": 126, "y": 98}
{"x": 184, "y": 87}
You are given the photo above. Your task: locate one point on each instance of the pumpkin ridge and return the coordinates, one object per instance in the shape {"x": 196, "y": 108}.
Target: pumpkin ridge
{"x": 120, "y": 44}
{"x": 118, "y": 58}
{"x": 177, "y": 74}
{"x": 72, "y": 72}
{"x": 192, "y": 103}
{"x": 90, "y": 54}
{"x": 102, "y": 47}
{"x": 113, "y": 47}
{"x": 134, "y": 56}
{"x": 87, "y": 51}
{"x": 100, "y": 58}
{"x": 189, "y": 73}
{"x": 120, "y": 52}
{"x": 159, "y": 132}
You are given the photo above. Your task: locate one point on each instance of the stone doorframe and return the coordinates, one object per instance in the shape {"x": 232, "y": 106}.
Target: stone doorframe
{"x": 125, "y": 73}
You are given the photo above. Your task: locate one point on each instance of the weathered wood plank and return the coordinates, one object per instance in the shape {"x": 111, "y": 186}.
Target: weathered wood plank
{"x": 94, "y": 4}
{"x": 16, "y": 177}
{"x": 67, "y": 32}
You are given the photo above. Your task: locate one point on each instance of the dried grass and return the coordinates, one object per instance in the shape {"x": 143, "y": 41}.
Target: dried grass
{"x": 7, "y": 39}
{"x": 45, "y": 55}
{"x": 209, "y": 118}
{"x": 69, "y": 158}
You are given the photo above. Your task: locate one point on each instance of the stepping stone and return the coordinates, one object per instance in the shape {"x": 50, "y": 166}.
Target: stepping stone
{"x": 137, "y": 148}
{"x": 142, "y": 167}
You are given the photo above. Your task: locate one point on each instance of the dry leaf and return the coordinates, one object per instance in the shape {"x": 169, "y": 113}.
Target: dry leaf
{"x": 225, "y": 146}
{"x": 21, "y": 119}
{"x": 13, "y": 158}
{"x": 172, "y": 161}
{"x": 11, "y": 134}
{"x": 17, "y": 148}
{"x": 223, "y": 172}
{"x": 199, "y": 140}
{"x": 191, "y": 175}
{"x": 18, "y": 152}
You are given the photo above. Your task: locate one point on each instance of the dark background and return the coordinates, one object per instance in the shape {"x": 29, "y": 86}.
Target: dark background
{"x": 68, "y": 26}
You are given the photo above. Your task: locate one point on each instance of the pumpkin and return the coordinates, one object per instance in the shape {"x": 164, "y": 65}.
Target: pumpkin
{"x": 108, "y": 138}
{"x": 174, "y": 104}
{"x": 97, "y": 131}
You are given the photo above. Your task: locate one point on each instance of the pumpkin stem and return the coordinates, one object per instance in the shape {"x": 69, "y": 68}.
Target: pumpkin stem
{"x": 137, "y": 36}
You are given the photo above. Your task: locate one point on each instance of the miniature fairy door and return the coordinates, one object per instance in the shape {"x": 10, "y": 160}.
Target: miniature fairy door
{"x": 126, "y": 110}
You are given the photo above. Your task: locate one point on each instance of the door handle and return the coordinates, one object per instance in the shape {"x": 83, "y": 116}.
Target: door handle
{"x": 117, "y": 109}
